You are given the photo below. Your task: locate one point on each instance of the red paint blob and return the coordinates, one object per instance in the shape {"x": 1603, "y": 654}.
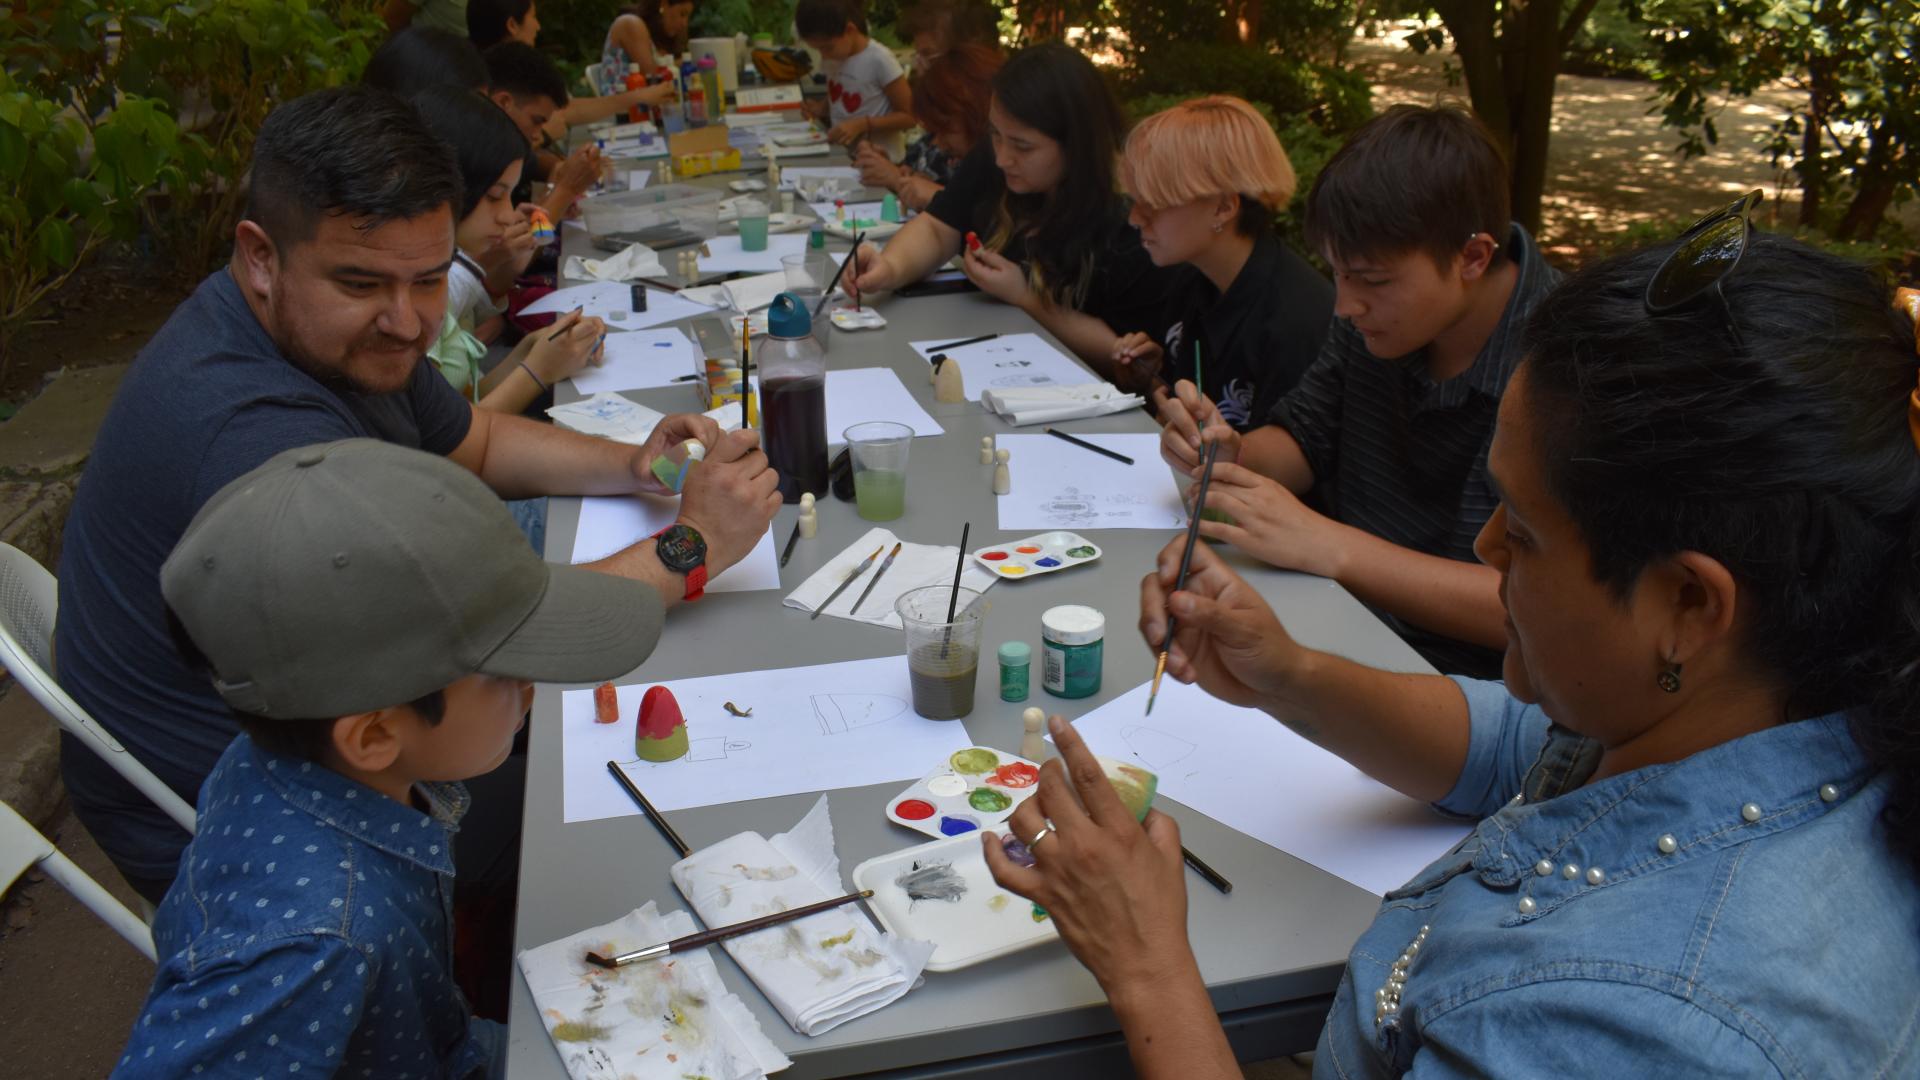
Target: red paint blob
{"x": 914, "y": 810}
{"x": 993, "y": 556}
{"x": 1015, "y": 774}
{"x": 659, "y": 714}
{"x": 1027, "y": 549}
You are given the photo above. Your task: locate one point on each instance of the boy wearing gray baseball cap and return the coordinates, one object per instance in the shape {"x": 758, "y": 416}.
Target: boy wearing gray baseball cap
{"x": 376, "y": 619}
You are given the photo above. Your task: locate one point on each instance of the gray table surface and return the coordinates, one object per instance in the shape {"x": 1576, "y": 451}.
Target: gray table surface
{"x": 1282, "y": 935}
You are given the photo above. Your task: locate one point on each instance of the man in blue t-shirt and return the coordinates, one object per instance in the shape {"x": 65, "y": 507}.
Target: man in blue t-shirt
{"x": 315, "y": 332}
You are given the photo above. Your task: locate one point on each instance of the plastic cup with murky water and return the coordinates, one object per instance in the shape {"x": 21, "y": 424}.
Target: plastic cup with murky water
{"x": 878, "y": 450}
{"x": 943, "y": 658}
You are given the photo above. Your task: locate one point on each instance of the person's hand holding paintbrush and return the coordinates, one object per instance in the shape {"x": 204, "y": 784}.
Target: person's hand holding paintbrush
{"x": 1227, "y": 638}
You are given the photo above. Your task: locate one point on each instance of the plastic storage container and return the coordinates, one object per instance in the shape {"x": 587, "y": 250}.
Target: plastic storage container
{"x": 658, "y": 209}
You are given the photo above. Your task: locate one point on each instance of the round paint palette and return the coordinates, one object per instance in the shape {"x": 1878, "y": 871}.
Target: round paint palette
{"x": 942, "y": 892}
{"x": 1033, "y": 556}
{"x": 976, "y": 788}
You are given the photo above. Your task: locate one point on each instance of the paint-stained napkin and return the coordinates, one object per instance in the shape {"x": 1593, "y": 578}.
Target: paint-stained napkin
{"x": 820, "y": 971}
{"x": 918, "y": 565}
{"x": 1025, "y": 405}
{"x": 636, "y": 261}
{"x": 657, "y": 1019}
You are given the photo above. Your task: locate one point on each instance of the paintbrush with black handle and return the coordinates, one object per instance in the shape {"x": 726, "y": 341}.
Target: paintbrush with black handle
{"x": 708, "y": 937}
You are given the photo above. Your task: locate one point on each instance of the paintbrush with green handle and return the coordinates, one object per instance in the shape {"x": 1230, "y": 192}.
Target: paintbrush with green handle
{"x": 707, "y": 937}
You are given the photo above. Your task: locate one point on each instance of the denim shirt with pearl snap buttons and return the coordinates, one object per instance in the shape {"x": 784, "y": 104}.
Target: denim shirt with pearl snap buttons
{"x": 1736, "y": 913}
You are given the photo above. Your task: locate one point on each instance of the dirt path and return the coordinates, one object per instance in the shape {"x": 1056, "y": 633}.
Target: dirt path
{"x": 1611, "y": 164}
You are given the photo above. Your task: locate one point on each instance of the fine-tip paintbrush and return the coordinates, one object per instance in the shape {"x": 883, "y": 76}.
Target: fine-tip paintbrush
{"x": 1186, "y": 563}
{"x": 848, "y": 580}
{"x": 877, "y": 575}
{"x": 708, "y": 937}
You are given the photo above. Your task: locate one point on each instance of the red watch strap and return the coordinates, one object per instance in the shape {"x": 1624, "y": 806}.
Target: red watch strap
{"x": 696, "y": 582}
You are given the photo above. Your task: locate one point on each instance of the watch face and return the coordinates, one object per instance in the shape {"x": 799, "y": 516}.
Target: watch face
{"x": 681, "y": 549}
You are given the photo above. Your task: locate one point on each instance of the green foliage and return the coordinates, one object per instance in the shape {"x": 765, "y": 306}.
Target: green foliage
{"x": 65, "y": 189}
{"x": 1333, "y": 98}
{"x": 1851, "y": 138}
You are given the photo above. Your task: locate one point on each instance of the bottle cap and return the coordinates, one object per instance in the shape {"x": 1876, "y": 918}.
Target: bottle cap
{"x": 788, "y": 317}
{"x": 1016, "y": 654}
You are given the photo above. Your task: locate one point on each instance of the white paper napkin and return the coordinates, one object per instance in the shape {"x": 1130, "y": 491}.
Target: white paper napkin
{"x": 918, "y": 565}
{"x": 609, "y": 416}
{"x": 637, "y": 261}
{"x": 653, "y": 1020}
{"x": 820, "y": 971}
{"x": 1022, "y": 406}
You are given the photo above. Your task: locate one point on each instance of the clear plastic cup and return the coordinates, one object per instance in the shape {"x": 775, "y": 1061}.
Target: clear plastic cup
{"x": 943, "y": 658}
{"x": 879, "y": 454}
{"x": 808, "y": 275}
{"x": 753, "y": 225}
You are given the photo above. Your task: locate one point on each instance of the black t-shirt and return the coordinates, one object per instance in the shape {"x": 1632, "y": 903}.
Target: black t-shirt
{"x": 207, "y": 400}
{"x": 1255, "y": 340}
{"x": 1127, "y": 290}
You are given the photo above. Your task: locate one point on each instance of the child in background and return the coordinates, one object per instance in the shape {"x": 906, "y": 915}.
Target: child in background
{"x": 526, "y": 85}
{"x": 374, "y": 619}
{"x": 493, "y": 243}
{"x": 950, "y": 102}
{"x": 867, "y": 94}
{"x": 1388, "y": 431}
{"x": 1246, "y": 315}
{"x": 492, "y": 24}
{"x": 935, "y": 28}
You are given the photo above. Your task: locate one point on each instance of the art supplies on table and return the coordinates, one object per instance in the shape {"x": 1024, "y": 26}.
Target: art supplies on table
{"x": 804, "y": 179}
{"x": 1008, "y": 361}
{"x": 818, "y": 972}
{"x": 942, "y": 892}
{"x": 845, "y": 724}
{"x": 659, "y": 1021}
{"x": 1038, "y": 555}
{"x": 689, "y": 942}
{"x": 730, "y": 258}
{"x": 1180, "y": 582}
{"x": 863, "y": 318}
{"x": 1243, "y": 770}
{"x": 638, "y": 360}
{"x": 973, "y": 789}
{"x": 750, "y": 293}
{"x": 1057, "y": 485}
{"x": 610, "y": 523}
{"x": 1025, "y": 406}
{"x": 612, "y": 301}
{"x": 917, "y": 565}
{"x": 725, "y": 384}
{"x": 858, "y": 396}
{"x": 608, "y": 416}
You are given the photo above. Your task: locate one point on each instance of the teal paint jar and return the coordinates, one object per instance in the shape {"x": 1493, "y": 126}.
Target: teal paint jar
{"x": 1073, "y": 639}
{"x": 1016, "y": 667}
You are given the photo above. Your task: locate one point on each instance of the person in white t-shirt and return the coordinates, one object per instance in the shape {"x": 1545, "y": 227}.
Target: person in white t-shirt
{"x": 867, "y": 94}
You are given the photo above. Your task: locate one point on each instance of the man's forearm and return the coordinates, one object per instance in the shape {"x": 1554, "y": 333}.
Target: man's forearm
{"x": 639, "y": 563}
{"x": 521, "y": 459}
{"x": 1447, "y": 596}
{"x": 1271, "y": 451}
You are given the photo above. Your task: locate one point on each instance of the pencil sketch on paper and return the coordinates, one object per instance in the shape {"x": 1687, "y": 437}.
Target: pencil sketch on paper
{"x": 1160, "y": 750}
{"x": 839, "y": 713}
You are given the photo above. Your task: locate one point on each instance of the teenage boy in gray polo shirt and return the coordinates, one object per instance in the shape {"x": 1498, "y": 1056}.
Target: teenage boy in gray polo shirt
{"x": 1373, "y": 469}
{"x": 375, "y": 620}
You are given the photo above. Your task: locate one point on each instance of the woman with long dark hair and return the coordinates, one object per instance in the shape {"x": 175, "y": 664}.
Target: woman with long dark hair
{"x": 1040, "y": 195}
{"x": 1697, "y": 788}
{"x": 650, "y": 33}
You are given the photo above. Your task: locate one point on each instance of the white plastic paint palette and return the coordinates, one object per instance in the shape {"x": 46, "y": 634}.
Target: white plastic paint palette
{"x": 976, "y": 788}
{"x": 968, "y": 917}
{"x": 1033, "y": 556}
{"x": 863, "y": 318}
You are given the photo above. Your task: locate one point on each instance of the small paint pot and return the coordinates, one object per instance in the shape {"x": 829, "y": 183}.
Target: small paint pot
{"x": 1016, "y": 668}
{"x": 1073, "y": 640}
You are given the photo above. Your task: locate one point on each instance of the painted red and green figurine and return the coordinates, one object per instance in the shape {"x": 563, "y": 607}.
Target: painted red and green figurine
{"x": 661, "y": 733}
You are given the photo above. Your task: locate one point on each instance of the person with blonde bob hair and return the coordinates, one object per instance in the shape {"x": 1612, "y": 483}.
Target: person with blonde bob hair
{"x": 1247, "y": 314}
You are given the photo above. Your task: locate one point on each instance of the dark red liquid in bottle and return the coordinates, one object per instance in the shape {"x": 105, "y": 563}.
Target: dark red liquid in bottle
{"x": 794, "y": 412}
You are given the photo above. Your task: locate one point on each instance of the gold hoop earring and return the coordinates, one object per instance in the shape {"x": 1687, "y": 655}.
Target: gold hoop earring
{"x": 1669, "y": 679}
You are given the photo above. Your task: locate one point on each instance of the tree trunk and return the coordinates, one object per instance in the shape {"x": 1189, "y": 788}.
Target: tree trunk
{"x": 1877, "y": 181}
{"x": 1471, "y": 25}
{"x": 1812, "y": 167}
{"x": 1538, "y": 60}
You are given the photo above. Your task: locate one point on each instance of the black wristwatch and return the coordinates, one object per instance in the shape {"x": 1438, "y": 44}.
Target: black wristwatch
{"x": 684, "y": 551}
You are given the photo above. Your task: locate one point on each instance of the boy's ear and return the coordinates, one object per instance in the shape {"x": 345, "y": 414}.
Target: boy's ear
{"x": 1477, "y": 256}
{"x": 369, "y": 742}
{"x": 255, "y": 257}
{"x": 502, "y": 98}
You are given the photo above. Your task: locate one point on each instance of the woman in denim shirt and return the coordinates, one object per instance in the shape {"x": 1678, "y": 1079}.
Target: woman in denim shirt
{"x": 1696, "y": 791}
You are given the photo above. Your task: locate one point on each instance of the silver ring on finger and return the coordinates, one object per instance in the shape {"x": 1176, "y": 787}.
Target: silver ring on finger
{"x": 1039, "y": 836}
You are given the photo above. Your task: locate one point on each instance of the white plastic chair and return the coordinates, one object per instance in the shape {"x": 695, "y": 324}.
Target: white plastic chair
{"x": 22, "y": 848}
{"x": 28, "y": 600}
{"x": 595, "y": 75}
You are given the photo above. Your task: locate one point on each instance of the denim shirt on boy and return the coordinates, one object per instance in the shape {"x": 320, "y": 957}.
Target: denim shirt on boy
{"x": 310, "y": 929}
{"x": 1735, "y": 913}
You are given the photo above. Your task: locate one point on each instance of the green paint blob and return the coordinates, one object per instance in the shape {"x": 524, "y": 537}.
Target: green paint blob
{"x": 578, "y": 1031}
{"x": 989, "y": 801}
{"x": 1040, "y": 914}
{"x": 974, "y": 761}
{"x": 1080, "y": 553}
{"x": 830, "y": 942}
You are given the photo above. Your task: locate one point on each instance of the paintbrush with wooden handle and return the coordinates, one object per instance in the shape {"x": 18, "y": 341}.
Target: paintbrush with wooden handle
{"x": 708, "y": 937}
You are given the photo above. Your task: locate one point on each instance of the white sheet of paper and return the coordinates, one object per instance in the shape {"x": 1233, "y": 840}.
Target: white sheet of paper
{"x": 596, "y": 298}
{"x": 611, "y": 522}
{"x": 662, "y": 307}
{"x": 639, "y": 359}
{"x": 813, "y": 728}
{"x": 754, "y": 293}
{"x": 728, "y": 258}
{"x": 1010, "y": 360}
{"x": 858, "y": 395}
{"x": 609, "y": 416}
{"x": 1057, "y": 485}
{"x": 1249, "y": 772}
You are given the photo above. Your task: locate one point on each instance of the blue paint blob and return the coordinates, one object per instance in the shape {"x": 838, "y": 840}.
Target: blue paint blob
{"x": 1048, "y": 561}
{"x": 954, "y": 826}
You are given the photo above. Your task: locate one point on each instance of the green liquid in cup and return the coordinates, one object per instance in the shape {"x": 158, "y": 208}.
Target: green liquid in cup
{"x": 753, "y": 233}
{"x": 880, "y": 495}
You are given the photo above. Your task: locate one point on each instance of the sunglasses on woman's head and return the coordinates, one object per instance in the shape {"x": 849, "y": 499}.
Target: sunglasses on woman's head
{"x": 1709, "y": 250}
